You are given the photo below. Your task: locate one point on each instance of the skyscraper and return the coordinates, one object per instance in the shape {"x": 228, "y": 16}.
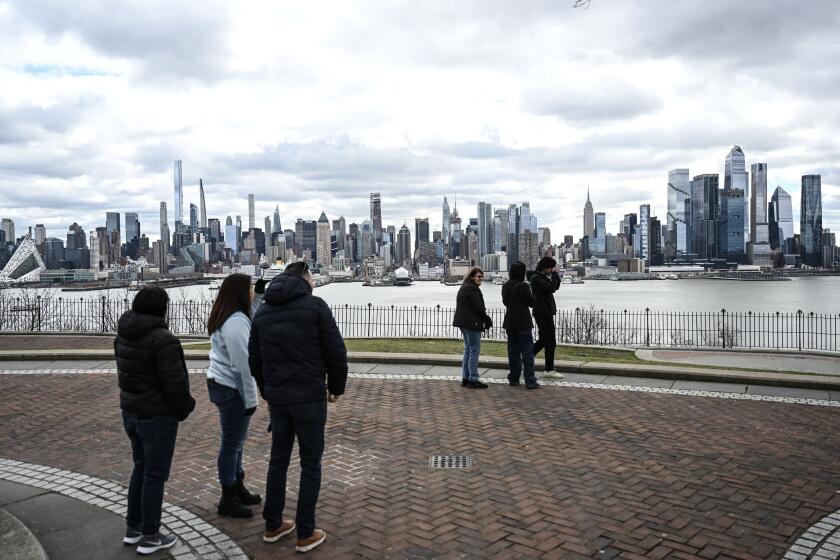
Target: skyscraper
{"x": 339, "y": 229}
{"x": 421, "y": 231}
{"x": 501, "y": 229}
{"x": 132, "y": 227}
{"x": 179, "y": 195}
{"x": 251, "y": 218}
{"x": 679, "y": 190}
{"x": 598, "y": 242}
{"x": 323, "y": 234}
{"x": 759, "y": 226}
{"x": 164, "y": 240}
{"x": 444, "y": 226}
{"x": 731, "y": 226}
{"x": 276, "y": 226}
{"x": 705, "y": 215}
{"x": 736, "y": 178}
{"x": 780, "y": 216}
{"x": 268, "y": 227}
{"x": 588, "y": 217}
{"x": 404, "y": 251}
{"x": 643, "y": 234}
{"x": 203, "y": 206}
{"x": 193, "y": 218}
{"x": 8, "y": 226}
{"x": 810, "y": 220}
{"x": 40, "y": 234}
{"x": 376, "y": 216}
{"x": 485, "y": 229}
{"x": 112, "y": 224}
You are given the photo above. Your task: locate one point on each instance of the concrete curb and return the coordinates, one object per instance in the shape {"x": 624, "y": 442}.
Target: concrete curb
{"x": 650, "y": 371}
{"x": 17, "y": 542}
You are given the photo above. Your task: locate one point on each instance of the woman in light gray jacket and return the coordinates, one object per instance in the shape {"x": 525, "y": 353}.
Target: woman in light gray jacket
{"x": 232, "y": 388}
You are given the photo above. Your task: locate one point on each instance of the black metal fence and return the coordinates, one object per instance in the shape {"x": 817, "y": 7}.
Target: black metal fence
{"x": 720, "y": 329}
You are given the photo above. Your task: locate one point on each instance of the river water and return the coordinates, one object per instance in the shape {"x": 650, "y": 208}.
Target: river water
{"x": 819, "y": 294}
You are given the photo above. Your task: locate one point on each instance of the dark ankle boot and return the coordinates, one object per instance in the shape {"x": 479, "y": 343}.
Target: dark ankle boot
{"x": 231, "y": 505}
{"x": 246, "y": 496}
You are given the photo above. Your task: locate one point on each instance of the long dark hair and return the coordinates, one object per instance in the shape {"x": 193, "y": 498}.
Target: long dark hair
{"x": 234, "y": 295}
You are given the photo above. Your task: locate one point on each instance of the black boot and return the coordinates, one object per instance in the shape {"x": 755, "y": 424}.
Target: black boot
{"x": 231, "y": 505}
{"x": 246, "y": 496}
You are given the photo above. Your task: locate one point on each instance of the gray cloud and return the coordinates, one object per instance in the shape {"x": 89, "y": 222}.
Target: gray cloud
{"x": 607, "y": 100}
{"x": 27, "y": 123}
{"x": 169, "y": 39}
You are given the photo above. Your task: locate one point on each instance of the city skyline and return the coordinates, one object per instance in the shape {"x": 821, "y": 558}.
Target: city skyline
{"x": 92, "y": 118}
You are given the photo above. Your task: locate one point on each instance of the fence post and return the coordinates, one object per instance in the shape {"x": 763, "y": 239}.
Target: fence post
{"x": 369, "y": 306}
{"x": 647, "y": 326}
{"x": 102, "y": 314}
{"x": 723, "y": 328}
{"x": 38, "y": 311}
{"x": 799, "y": 329}
{"x": 577, "y": 325}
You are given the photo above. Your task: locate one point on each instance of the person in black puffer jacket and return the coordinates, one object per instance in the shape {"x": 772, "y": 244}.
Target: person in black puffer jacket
{"x": 295, "y": 343}
{"x": 544, "y": 282}
{"x": 518, "y": 299}
{"x": 154, "y": 397}
{"x": 471, "y": 317}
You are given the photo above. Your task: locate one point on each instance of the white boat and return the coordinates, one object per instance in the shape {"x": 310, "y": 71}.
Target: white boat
{"x": 215, "y": 284}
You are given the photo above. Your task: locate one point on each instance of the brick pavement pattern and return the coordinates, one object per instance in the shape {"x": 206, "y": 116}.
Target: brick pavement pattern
{"x": 557, "y": 473}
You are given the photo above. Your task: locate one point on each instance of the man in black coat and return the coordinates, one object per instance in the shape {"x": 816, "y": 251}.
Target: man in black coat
{"x": 544, "y": 282}
{"x": 295, "y": 343}
{"x": 518, "y": 299}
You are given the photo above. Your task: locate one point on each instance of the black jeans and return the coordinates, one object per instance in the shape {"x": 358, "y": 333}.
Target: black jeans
{"x": 305, "y": 421}
{"x": 547, "y": 340}
{"x": 152, "y": 446}
{"x": 520, "y": 347}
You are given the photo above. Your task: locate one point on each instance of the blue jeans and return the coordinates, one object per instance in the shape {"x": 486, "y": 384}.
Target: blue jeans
{"x": 234, "y": 426}
{"x": 472, "y": 346}
{"x": 520, "y": 347}
{"x": 305, "y": 421}
{"x": 152, "y": 446}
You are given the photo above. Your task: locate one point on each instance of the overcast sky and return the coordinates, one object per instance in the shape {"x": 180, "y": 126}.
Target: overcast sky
{"x": 313, "y": 105}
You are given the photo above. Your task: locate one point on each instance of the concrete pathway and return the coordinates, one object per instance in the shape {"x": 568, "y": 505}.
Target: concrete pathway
{"x": 766, "y": 361}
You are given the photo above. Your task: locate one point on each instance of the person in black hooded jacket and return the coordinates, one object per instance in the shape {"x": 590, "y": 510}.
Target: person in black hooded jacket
{"x": 544, "y": 282}
{"x": 471, "y": 317}
{"x": 154, "y": 397}
{"x": 295, "y": 343}
{"x": 518, "y": 299}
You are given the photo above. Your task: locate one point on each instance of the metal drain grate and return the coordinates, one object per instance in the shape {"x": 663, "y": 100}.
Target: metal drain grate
{"x": 450, "y": 461}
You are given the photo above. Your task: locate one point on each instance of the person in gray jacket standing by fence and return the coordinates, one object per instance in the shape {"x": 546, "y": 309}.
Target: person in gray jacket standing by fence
{"x": 232, "y": 389}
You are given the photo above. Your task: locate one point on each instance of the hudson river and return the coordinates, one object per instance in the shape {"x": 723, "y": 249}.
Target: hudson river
{"x": 820, "y": 295}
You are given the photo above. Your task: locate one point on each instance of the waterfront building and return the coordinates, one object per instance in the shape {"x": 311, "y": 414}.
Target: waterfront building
{"x": 179, "y": 194}
{"x": 427, "y": 253}
{"x": 736, "y": 178}
{"x": 376, "y": 216}
{"x": 485, "y": 228}
{"x": 25, "y": 265}
{"x": 731, "y": 235}
{"x": 810, "y": 220}
{"x": 421, "y": 231}
{"x": 94, "y": 251}
{"x": 759, "y": 222}
{"x": 629, "y": 227}
{"x": 829, "y": 249}
{"x": 276, "y": 226}
{"x": 251, "y": 213}
{"x": 54, "y": 252}
{"x": 588, "y": 218}
{"x": 323, "y": 233}
{"x": 654, "y": 246}
{"x": 679, "y": 191}
{"x": 705, "y": 216}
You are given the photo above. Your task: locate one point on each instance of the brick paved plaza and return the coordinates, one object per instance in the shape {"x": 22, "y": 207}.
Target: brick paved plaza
{"x": 562, "y": 472}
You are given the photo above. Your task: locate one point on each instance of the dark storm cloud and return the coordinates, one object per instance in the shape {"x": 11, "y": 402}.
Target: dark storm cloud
{"x": 183, "y": 39}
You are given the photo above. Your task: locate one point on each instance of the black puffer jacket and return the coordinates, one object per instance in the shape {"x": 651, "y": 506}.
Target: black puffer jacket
{"x": 294, "y": 342}
{"x": 543, "y": 288}
{"x": 150, "y": 364}
{"x": 470, "y": 313}
{"x": 518, "y": 299}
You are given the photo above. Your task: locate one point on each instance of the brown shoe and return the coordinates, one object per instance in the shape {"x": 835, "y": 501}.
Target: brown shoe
{"x": 305, "y": 545}
{"x": 284, "y": 529}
